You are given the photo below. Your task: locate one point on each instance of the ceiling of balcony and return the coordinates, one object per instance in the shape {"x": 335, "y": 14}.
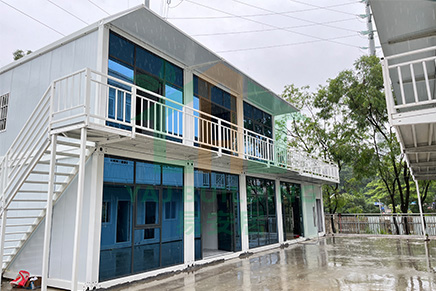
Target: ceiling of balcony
{"x": 404, "y": 26}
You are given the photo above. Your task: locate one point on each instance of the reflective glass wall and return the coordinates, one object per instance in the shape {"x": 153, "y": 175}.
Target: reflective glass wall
{"x": 292, "y": 211}
{"x": 217, "y": 213}
{"x": 142, "y": 217}
{"x": 261, "y": 212}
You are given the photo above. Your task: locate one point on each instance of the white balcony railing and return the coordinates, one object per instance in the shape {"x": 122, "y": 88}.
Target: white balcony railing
{"x": 101, "y": 100}
{"x": 411, "y": 75}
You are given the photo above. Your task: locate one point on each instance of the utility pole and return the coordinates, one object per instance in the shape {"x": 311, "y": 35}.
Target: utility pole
{"x": 370, "y": 30}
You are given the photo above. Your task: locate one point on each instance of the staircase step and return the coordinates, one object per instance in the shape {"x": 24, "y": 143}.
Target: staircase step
{"x": 43, "y": 182}
{"x": 10, "y": 248}
{"x": 62, "y": 164}
{"x": 30, "y": 200}
{"x": 24, "y": 209}
{"x": 13, "y": 240}
{"x": 64, "y": 154}
{"x": 34, "y": 191}
{"x": 22, "y": 217}
{"x": 47, "y": 173}
{"x": 19, "y": 225}
{"x": 15, "y": 232}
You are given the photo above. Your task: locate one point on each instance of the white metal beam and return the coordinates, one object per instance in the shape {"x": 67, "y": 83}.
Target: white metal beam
{"x": 78, "y": 223}
{"x": 189, "y": 215}
{"x": 49, "y": 213}
{"x": 94, "y": 230}
{"x": 244, "y": 214}
{"x": 279, "y": 211}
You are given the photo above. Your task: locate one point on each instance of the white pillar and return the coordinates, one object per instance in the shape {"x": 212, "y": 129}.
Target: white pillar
{"x": 94, "y": 230}
{"x": 424, "y": 233}
{"x": 189, "y": 215}
{"x": 244, "y": 214}
{"x": 279, "y": 211}
{"x": 78, "y": 223}
{"x": 49, "y": 213}
{"x": 188, "y": 119}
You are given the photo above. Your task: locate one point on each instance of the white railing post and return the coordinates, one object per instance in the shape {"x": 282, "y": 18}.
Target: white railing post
{"x": 388, "y": 90}
{"x": 87, "y": 94}
{"x": 133, "y": 114}
{"x": 48, "y": 213}
{"x": 424, "y": 233}
{"x": 220, "y": 143}
{"x": 79, "y": 203}
{"x": 51, "y": 104}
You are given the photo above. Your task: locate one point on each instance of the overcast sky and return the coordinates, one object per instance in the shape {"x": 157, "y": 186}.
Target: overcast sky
{"x": 276, "y": 42}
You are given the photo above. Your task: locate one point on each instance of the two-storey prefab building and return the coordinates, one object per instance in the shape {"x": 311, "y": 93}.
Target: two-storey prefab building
{"x": 131, "y": 150}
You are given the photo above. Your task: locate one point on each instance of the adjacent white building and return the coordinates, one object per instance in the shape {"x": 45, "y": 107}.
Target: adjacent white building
{"x": 130, "y": 150}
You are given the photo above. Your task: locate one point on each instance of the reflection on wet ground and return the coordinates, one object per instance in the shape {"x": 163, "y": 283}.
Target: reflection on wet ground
{"x": 334, "y": 263}
{"x": 339, "y": 263}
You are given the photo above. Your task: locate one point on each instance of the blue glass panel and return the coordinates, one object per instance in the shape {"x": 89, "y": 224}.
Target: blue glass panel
{"x": 115, "y": 263}
{"x": 217, "y": 95}
{"x": 226, "y": 100}
{"x": 201, "y": 179}
{"x": 172, "y": 253}
{"x": 196, "y": 114}
{"x": 121, "y": 48}
{"x": 218, "y": 180}
{"x": 173, "y": 74}
{"x": 248, "y": 110}
{"x": 146, "y": 250}
{"x": 149, "y": 62}
{"x": 198, "y": 250}
{"x": 147, "y": 206}
{"x": 195, "y": 80}
{"x": 172, "y": 223}
{"x": 174, "y": 112}
{"x": 120, "y": 71}
{"x": 172, "y": 176}
{"x": 147, "y": 173}
{"x": 118, "y": 170}
{"x": 232, "y": 182}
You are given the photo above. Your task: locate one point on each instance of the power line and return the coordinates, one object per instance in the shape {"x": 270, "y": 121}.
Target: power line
{"x": 273, "y": 26}
{"x": 67, "y": 12}
{"x": 99, "y": 7}
{"x": 268, "y": 29}
{"x": 33, "y": 18}
{"x": 292, "y": 17}
{"x": 284, "y": 45}
{"x": 261, "y": 14}
{"x": 321, "y": 7}
{"x": 181, "y": 1}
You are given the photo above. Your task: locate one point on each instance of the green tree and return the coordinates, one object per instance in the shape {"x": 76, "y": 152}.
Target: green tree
{"x": 18, "y": 54}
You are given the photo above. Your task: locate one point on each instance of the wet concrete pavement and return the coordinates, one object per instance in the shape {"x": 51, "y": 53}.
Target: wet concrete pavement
{"x": 333, "y": 263}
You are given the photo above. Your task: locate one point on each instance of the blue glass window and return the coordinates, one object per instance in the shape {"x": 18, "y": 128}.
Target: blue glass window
{"x": 173, "y": 74}
{"x": 149, "y": 62}
{"x": 174, "y": 116}
{"x": 172, "y": 176}
{"x": 121, "y": 49}
{"x": 148, "y": 173}
{"x": 118, "y": 170}
{"x": 218, "y": 180}
{"x": 201, "y": 179}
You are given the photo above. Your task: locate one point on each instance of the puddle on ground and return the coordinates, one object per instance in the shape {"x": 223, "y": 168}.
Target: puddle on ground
{"x": 339, "y": 263}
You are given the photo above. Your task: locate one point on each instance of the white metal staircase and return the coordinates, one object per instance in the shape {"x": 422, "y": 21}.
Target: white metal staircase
{"x": 25, "y": 177}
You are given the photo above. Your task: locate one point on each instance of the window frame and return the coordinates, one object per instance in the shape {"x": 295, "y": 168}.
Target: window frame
{"x": 4, "y": 108}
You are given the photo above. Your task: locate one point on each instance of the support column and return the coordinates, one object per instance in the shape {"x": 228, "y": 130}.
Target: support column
{"x": 188, "y": 114}
{"x": 49, "y": 213}
{"x": 78, "y": 224}
{"x": 279, "y": 212}
{"x": 424, "y": 233}
{"x": 244, "y": 213}
{"x": 94, "y": 230}
{"x": 189, "y": 215}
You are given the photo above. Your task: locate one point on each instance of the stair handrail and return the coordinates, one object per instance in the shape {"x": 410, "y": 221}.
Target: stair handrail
{"x": 25, "y": 145}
